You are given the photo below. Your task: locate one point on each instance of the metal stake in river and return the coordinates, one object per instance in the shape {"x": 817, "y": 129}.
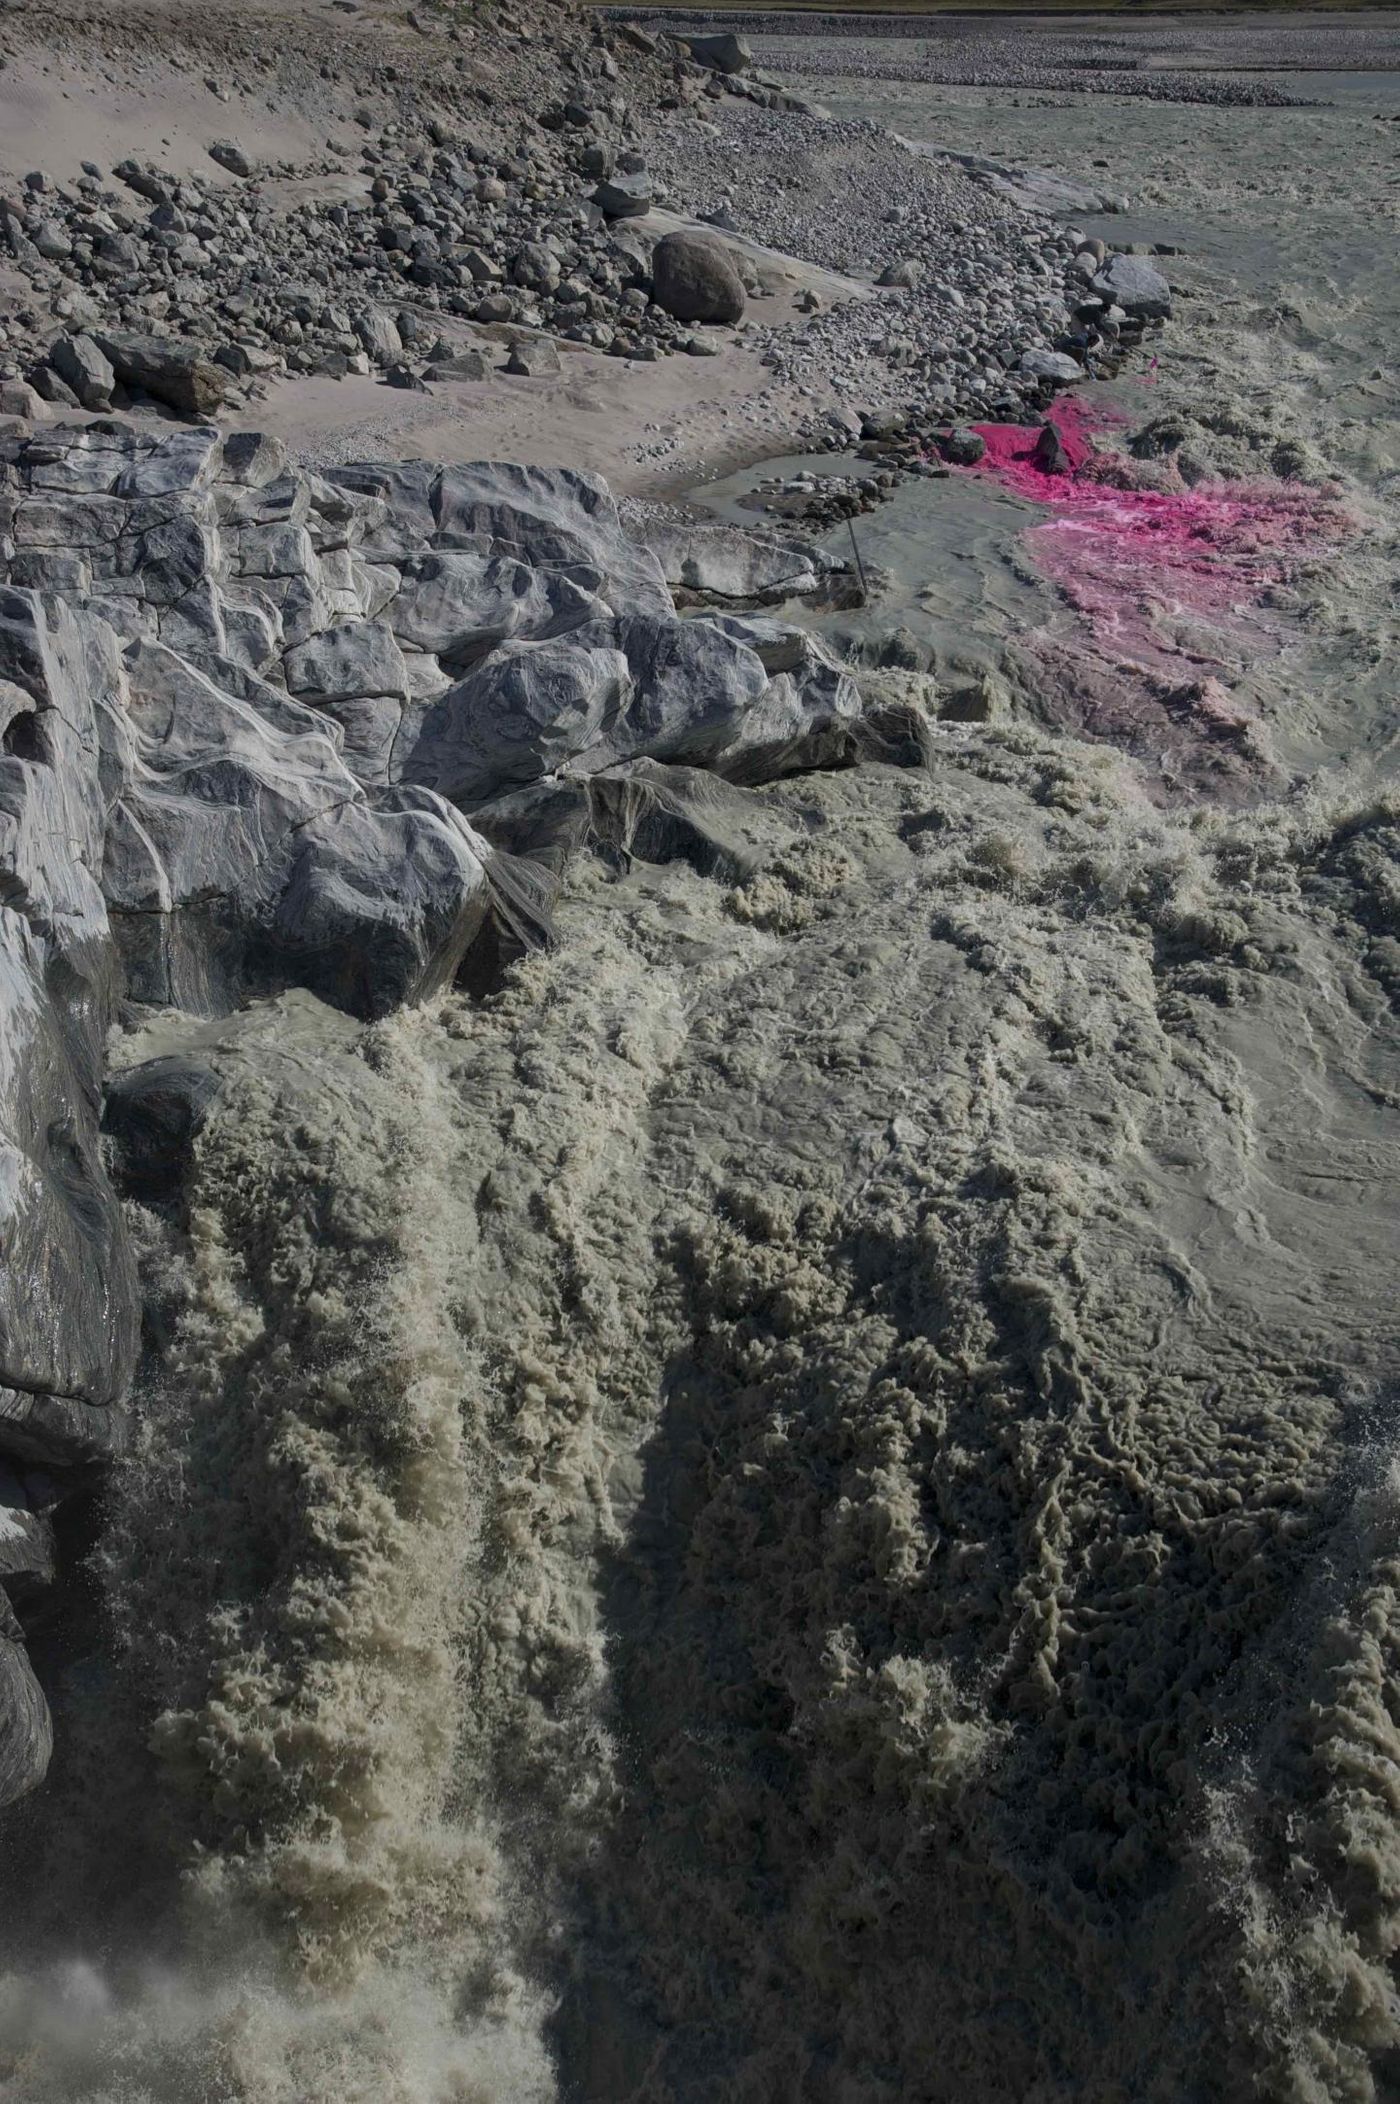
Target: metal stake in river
{"x": 860, "y": 566}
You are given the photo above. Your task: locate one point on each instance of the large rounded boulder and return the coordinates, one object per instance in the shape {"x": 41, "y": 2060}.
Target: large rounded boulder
{"x": 695, "y": 278}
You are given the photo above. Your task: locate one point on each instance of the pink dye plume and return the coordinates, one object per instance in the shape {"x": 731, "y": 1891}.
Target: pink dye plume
{"x": 1168, "y": 587}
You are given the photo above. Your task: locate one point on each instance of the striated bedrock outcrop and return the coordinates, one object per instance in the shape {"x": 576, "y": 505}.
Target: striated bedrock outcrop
{"x": 264, "y": 729}
{"x": 67, "y": 1288}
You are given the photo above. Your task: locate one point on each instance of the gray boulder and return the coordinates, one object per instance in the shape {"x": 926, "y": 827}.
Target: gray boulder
{"x": 536, "y": 266}
{"x": 638, "y": 686}
{"x": 531, "y": 708}
{"x": 533, "y": 361}
{"x": 625, "y": 196}
{"x": 724, "y": 53}
{"x": 48, "y": 386}
{"x": 18, "y": 398}
{"x": 379, "y": 335}
{"x": 1135, "y": 285}
{"x": 482, "y": 268}
{"x": 961, "y": 447}
{"x": 702, "y": 696}
{"x": 80, "y": 363}
{"x": 1052, "y": 365}
{"x": 52, "y": 241}
{"x": 231, "y": 156}
{"x": 151, "y": 1117}
{"x": 251, "y": 458}
{"x": 375, "y": 902}
{"x": 245, "y": 857}
{"x": 639, "y": 810}
{"x": 343, "y": 663}
{"x": 1049, "y": 452}
{"x": 695, "y": 279}
{"x": 175, "y": 373}
{"x": 463, "y": 365}
{"x": 458, "y": 605}
{"x": 557, "y": 519}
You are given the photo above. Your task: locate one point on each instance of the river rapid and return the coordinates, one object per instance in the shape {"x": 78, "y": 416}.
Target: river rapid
{"x": 803, "y": 1501}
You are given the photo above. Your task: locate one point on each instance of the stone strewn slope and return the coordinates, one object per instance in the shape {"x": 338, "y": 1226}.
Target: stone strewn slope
{"x": 492, "y": 173}
{"x": 245, "y": 713}
{"x": 424, "y": 219}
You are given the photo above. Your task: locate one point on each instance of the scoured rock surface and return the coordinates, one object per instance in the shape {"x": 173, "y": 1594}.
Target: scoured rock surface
{"x": 714, "y": 563}
{"x": 67, "y": 1283}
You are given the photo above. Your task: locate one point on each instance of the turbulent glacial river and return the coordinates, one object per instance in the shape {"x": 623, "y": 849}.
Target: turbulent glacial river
{"x": 805, "y": 1504}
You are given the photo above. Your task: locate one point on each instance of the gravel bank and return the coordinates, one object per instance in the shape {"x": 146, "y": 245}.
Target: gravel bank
{"x": 1362, "y": 41}
{"x": 1018, "y": 62}
{"x": 978, "y": 283}
{"x": 441, "y": 231}
{"x": 1163, "y": 59}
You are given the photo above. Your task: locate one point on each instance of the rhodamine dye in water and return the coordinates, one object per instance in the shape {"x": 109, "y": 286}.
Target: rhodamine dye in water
{"x": 1174, "y": 589}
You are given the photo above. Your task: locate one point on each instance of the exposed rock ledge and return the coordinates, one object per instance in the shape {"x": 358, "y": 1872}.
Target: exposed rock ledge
{"x": 262, "y": 729}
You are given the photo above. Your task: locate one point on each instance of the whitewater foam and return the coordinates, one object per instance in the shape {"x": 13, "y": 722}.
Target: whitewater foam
{"x": 702, "y": 1515}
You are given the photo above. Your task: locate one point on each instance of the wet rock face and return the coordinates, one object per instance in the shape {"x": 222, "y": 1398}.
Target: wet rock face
{"x": 151, "y": 1118}
{"x": 26, "y": 1735}
{"x": 67, "y": 1286}
{"x": 260, "y": 730}
{"x": 67, "y": 1321}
